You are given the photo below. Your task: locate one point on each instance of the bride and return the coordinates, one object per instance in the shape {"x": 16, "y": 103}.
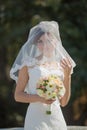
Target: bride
{"x": 41, "y": 55}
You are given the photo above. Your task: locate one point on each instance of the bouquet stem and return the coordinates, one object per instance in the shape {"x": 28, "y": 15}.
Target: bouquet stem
{"x": 48, "y": 111}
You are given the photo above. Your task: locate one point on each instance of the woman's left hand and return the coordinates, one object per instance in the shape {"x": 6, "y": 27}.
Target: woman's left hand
{"x": 66, "y": 65}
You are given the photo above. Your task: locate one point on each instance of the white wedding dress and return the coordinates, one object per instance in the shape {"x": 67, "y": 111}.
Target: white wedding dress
{"x": 36, "y": 117}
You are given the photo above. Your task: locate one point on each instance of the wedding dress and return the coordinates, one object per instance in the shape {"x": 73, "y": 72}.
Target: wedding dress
{"x": 36, "y": 117}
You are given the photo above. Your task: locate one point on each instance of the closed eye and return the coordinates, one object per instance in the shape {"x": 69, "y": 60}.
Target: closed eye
{"x": 40, "y": 41}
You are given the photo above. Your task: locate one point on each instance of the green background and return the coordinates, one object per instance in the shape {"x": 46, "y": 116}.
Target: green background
{"x": 16, "y": 19}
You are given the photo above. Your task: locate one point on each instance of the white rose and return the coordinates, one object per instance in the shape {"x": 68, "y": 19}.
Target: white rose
{"x": 48, "y": 94}
{"x": 54, "y": 94}
{"x": 50, "y": 87}
{"x": 61, "y": 92}
{"x": 40, "y": 92}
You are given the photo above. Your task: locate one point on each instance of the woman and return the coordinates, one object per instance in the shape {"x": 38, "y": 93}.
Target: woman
{"x": 41, "y": 55}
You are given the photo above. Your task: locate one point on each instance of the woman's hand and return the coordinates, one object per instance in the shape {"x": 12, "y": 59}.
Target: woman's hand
{"x": 49, "y": 101}
{"x": 66, "y": 65}
{"x": 46, "y": 101}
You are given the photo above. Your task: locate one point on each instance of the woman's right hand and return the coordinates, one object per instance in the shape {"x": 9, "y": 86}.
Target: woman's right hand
{"x": 46, "y": 101}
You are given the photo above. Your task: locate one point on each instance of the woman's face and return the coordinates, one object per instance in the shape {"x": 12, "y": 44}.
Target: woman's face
{"x": 45, "y": 46}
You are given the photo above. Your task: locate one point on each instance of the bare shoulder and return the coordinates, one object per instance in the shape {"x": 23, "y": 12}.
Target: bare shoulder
{"x": 23, "y": 77}
{"x": 23, "y": 70}
{"x": 23, "y": 73}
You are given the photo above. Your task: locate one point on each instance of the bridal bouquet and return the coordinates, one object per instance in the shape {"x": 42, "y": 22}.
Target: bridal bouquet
{"x": 50, "y": 87}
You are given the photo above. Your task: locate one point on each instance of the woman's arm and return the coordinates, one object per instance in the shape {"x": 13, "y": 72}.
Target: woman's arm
{"x": 20, "y": 95}
{"x": 67, "y": 83}
{"x": 66, "y": 65}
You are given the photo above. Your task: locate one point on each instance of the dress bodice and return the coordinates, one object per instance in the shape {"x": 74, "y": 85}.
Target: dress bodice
{"x": 37, "y": 71}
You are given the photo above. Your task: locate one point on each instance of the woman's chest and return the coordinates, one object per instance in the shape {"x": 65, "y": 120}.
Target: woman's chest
{"x": 40, "y": 71}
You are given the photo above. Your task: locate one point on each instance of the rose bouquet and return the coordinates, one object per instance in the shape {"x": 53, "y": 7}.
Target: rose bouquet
{"x": 50, "y": 87}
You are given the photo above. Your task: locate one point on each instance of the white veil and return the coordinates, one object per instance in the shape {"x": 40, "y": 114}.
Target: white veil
{"x": 43, "y": 45}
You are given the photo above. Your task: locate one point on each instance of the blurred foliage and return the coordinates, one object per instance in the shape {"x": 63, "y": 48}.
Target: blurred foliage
{"x": 16, "y": 19}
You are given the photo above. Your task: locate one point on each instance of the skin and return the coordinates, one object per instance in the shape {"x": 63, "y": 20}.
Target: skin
{"x": 44, "y": 46}
{"x": 23, "y": 77}
{"x": 66, "y": 65}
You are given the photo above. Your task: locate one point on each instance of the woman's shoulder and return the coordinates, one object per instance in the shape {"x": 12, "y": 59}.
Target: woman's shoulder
{"x": 24, "y": 69}
{"x": 28, "y": 62}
